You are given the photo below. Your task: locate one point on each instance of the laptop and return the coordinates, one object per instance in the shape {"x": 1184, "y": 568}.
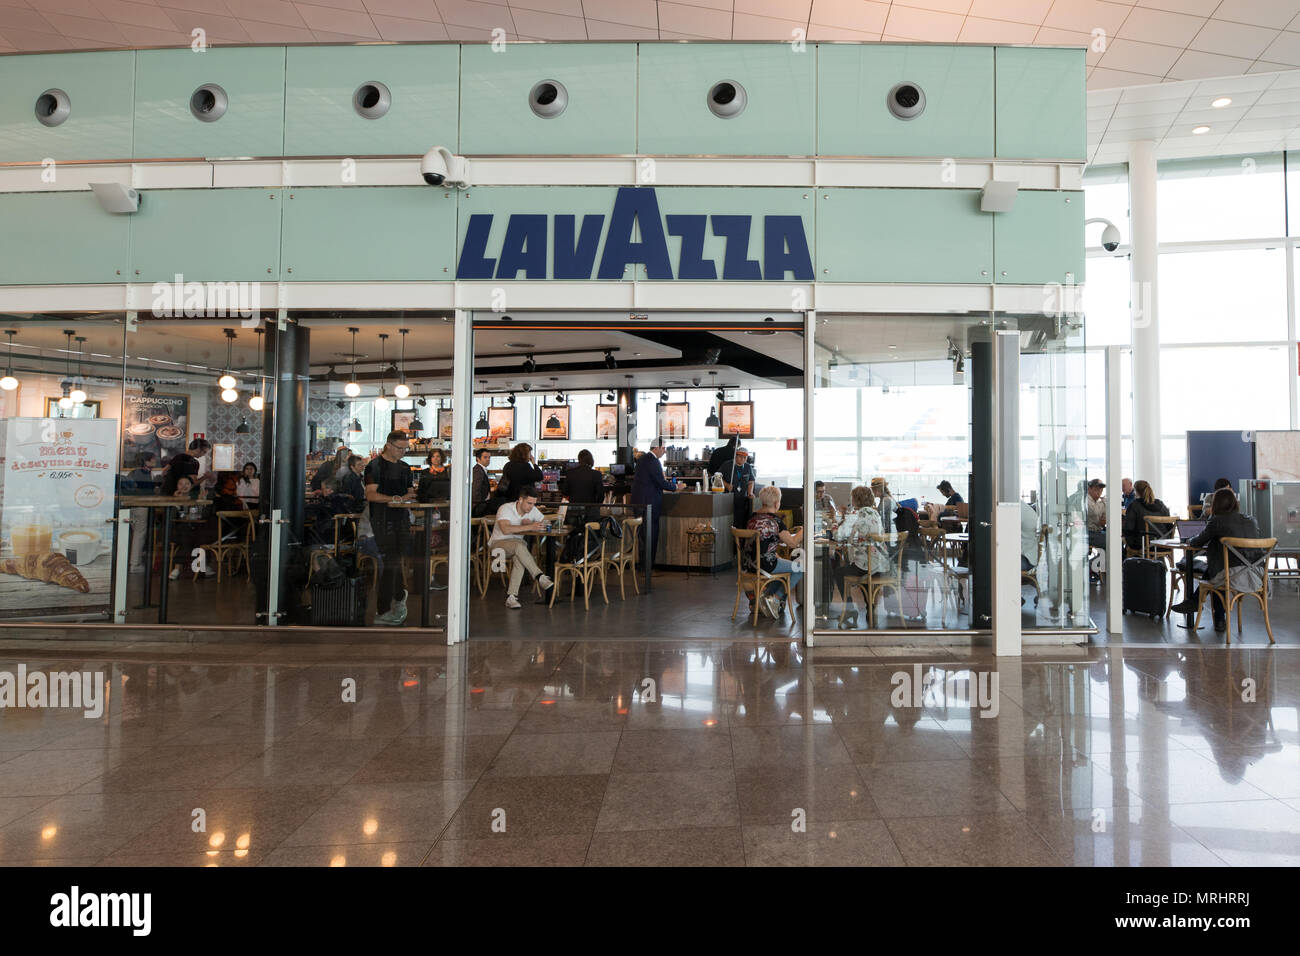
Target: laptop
{"x": 1190, "y": 527}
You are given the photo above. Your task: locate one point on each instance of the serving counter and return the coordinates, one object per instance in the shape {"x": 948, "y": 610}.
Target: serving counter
{"x": 683, "y": 510}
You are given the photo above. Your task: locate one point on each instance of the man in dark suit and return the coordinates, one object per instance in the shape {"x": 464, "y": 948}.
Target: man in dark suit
{"x": 648, "y": 487}
{"x": 481, "y": 488}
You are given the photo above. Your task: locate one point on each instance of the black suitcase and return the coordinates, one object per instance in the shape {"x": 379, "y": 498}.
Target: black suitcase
{"x": 1144, "y": 586}
{"x": 341, "y": 606}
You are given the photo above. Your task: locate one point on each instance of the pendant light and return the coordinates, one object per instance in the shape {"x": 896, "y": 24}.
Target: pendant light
{"x": 352, "y": 389}
{"x": 417, "y": 425}
{"x": 66, "y": 402}
{"x": 243, "y": 426}
{"x": 257, "y": 402}
{"x": 712, "y": 420}
{"x": 9, "y": 383}
{"x": 355, "y": 426}
{"x": 228, "y": 381}
{"x": 78, "y": 393}
{"x": 482, "y": 424}
{"x": 401, "y": 391}
{"x": 381, "y": 400}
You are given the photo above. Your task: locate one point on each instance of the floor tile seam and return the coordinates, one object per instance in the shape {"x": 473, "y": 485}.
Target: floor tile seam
{"x": 604, "y": 793}
{"x": 442, "y": 831}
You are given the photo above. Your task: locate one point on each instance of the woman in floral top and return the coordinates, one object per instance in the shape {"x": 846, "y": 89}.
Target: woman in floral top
{"x": 861, "y": 554}
{"x": 771, "y": 533}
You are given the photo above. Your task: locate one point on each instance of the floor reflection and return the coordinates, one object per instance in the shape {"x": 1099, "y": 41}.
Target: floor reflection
{"x": 570, "y": 752}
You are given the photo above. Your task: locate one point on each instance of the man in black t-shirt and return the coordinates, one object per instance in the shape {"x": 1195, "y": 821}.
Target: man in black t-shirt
{"x": 388, "y": 478}
{"x": 184, "y": 465}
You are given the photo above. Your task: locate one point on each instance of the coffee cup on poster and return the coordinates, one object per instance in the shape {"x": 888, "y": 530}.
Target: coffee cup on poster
{"x": 141, "y": 433}
{"x": 80, "y": 545}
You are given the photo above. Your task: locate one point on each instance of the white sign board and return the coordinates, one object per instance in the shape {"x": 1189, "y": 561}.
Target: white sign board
{"x": 57, "y": 481}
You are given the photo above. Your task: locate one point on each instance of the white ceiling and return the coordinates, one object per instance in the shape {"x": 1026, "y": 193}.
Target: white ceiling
{"x": 1140, "y": 40}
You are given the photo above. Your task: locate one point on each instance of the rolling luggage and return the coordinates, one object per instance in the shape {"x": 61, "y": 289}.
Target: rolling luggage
{"x": 1144, "y": 586}
{"x": 338, "y": 599}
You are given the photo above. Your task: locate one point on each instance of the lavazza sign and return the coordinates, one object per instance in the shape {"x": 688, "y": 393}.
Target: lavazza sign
{"x": 573, "y": 249}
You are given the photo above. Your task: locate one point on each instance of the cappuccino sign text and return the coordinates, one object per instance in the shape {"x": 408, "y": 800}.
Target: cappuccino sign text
{"x": 531, "y": 240}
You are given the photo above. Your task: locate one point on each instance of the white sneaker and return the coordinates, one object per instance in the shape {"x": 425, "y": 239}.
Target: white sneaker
{"x": 545, "y": 582}
{"x": 387, "y": 619}
{"x": 772, "y": 605}
{"x": 512, "y": 602}
{"x": 176, "y": 574}
{"x": 399, "y": 605}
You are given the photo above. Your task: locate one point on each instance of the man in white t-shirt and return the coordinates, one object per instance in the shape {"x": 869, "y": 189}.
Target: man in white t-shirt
{"x": 514, "y": 518}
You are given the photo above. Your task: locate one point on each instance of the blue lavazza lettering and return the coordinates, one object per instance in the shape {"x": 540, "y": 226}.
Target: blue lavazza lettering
{"x": 531, "y": 239}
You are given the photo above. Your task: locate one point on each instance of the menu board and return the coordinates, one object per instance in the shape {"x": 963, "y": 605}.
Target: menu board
{"x": 444, "y": 423}
{"x": 501, "y": 424}
{"x": 57, "y": 480}
{"x": 736, "y": 418}
{"x": 153, "y": 424}
{"x": 402, "y": 420}
{"x": 554, "y": 422}
{"x": 671, "y": 420}
{"x": 606, "y": 421}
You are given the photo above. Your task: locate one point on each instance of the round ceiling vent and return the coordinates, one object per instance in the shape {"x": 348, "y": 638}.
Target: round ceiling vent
{"x": 906, "y": 100}
{"x": 209, "y": 103}
{"x": 548, "y": 99}
{"x": 727, "y": 99}
{"x": 53, "y": 107}
{"x": 372, "y": 100}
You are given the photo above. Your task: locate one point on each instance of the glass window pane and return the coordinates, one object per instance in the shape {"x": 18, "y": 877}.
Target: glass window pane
{"x": 1105, "y": 196}
{"x": 1229, "y": 197}
{"x": 1106, "y": 301}
{"x": 1224, "y": 388}
{"x": 1235, "y": 295}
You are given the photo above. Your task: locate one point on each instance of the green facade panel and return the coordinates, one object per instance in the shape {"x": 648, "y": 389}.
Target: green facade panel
{"x": 65, "y": 238}
{"x": 423, "y": 83}
{"x": 600, "y": 115}
{"x": 99, "y": 89}
{"x": 1040, "y": 239}
{"x": 903, "y": 235}
{"x": 207, "y": 234}
{"x": 853, "y": 86}
{"x": 365, "y": 233}
{"x": 1042, "y": 104}
{"x": 780, "y": 84}
{"x": 253, "y": 80}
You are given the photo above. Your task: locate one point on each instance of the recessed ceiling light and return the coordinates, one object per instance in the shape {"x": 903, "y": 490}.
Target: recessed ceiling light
{"x": 1220, "y": 102}
{"x": 1199, "y": 130}
{"x": 760, "y": 331}
{"x": 893, "y": 346}
{"x": 520, "y": 345}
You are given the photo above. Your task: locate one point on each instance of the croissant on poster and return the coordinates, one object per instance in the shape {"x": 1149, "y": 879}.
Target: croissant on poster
{"x": 50, "y": 567}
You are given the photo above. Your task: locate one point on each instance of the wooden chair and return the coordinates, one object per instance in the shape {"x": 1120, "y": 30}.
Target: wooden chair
{"x": 583, "y": 568}
{"x": 1159, "y": 526}
{"x": 480, "y": 560}
{"x": 1263, "y": 548}
{"x": 757, "y": 579}
{"x": 955, "y": 574}
{"x": 234, "y": 541}
{"x": 930, "y": 538}
{"x": 1031, "y": 576}
{"x": 890, "y": 579}
{"x": 625, "y": 558}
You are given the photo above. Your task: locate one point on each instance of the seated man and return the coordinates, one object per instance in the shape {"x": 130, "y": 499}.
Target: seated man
{"x": 514, "y": 518}
{"x": 952, "y": 498}
{"x": 1096, "y": 510}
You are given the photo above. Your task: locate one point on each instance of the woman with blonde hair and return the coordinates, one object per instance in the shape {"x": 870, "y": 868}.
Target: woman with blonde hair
{"x": 862, "y": 556}
{"x": 771, "y": 534}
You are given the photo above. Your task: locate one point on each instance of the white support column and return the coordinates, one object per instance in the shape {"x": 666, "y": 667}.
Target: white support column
{"x": 1114, "y": 466}
{"x": 809, "y": 476}
{"x": 1144, "y": 306}
{"x": 1293, "y": 337}
{"x": 1008, "y": 636}
{"x": 462, "y": 472}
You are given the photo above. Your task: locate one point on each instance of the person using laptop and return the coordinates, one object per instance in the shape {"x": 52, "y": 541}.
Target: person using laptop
{"x": 1228, "y": 522}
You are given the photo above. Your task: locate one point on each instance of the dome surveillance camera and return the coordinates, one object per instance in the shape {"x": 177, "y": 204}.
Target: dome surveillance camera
{"x": 440, "y": 166}
{"x": 1110, "y": 238}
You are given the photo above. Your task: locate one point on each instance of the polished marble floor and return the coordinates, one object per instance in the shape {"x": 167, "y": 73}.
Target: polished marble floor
{"x": 601, "y": 753}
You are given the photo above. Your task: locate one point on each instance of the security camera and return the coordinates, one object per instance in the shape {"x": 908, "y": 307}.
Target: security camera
{"x": 440, "y": 166}
{"x": 1109, "y": 233}
{"x": 528, "y": 386}
{"x": 115, "y": 197}
{"x": 696, "y": 381}
{"x": 1110, "y": 238}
